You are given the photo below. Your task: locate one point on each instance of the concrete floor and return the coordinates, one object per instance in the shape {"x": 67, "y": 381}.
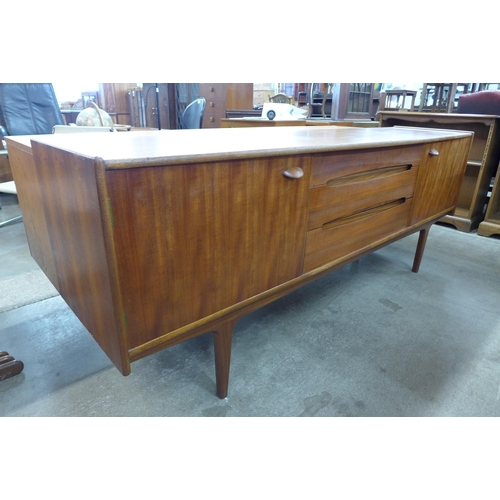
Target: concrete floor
{"x": 372, "y": 339}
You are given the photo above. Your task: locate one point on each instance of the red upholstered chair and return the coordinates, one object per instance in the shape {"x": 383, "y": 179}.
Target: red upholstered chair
{"x": 486, "y": 102}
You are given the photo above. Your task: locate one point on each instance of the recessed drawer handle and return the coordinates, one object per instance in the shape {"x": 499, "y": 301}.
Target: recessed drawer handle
{"x": 293, "y": 173}
{"x": 434, "y": 152}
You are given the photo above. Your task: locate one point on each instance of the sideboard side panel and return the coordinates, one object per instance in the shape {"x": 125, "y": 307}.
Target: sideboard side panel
{"x": 74, "y": 224}
{"x": 31, "y": 199}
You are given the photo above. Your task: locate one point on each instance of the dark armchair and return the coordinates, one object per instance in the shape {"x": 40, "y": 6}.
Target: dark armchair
{"x": 25, "y": 109}
{"x": 486, "y": 102}
{"x": 28, "y": 108}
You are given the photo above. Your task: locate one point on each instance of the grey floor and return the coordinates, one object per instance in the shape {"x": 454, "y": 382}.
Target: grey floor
{"x": 372, "y": 339}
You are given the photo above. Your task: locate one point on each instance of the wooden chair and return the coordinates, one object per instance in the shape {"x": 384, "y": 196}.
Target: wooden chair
{"x": 318, "y": 100}
{"x": 444, "y": 95}
{"x": 398, "y": 97}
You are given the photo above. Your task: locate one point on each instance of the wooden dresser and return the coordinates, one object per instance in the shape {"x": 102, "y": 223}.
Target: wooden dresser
{"x": 482, "y": 163}
{"x": 157, "y": 237}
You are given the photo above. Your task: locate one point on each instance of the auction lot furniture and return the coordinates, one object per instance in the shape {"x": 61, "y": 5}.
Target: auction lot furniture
{"x": 443, "y": 96}
{"x": 158, "y": 237}
{"x": 397, "y": 98}
{"x": 482, "y": 163}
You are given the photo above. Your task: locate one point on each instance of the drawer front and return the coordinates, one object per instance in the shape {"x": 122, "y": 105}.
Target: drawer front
{"x": 326, "y": 167}
{"x": 351, "y": 194}
{"x": 355, "y": 233}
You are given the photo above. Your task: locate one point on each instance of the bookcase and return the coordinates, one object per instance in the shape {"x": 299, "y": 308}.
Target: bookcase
{"x": 491, "y": 223}
{"x": 482, "y": 163}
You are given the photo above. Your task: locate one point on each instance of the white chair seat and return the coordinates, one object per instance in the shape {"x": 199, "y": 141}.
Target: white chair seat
{"x": 8, "y": 187}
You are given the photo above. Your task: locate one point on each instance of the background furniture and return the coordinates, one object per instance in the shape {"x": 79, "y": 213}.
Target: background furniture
{"x": 243, "y": 113}
{"x": 443, "y": 96}
{"x": 146, "y": 107}
{"x": 343, "y": 123}
{"x": 239, "y": 219}
{"x": 491, "y": 223}
{"x": 152, "y": 106}
{"x": 223, "y": 96}
{"x": 25, "y": 109}
{"x": 354, "y": 101}
{"x": 10, "y": 188}
{"x": 5, "y": 172}
{"x": 397, "y": 100}
{"x": 72, "y": 129}
{"x": 487, "y": 101}
{"x": 482, "y": 163}
{"x": 193, "y": 114}
{"x": 261, "y": 93}
{"x": 29, "y": 108}
{"x": 281, "y": 98}
{"x": 320, "y": 100}
{"x": 114, "y": 99}
{"x": 259, "y": 122}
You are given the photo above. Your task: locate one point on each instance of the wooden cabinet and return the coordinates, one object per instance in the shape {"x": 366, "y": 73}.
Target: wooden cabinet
{"x": 353, "y": 101}
{"x": 113, "y": 98}
{"x": 261, "y": 93}
{"x": 155, "y": 237}
{"x": 482, "y": 162}
{"x": 152, "y": 106}
{"x": 223, "y": 96}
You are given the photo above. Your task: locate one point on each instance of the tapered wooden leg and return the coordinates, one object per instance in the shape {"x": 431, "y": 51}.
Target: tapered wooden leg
{"x": 223, "y": 338}
{"x": 9, "y": 366}
{"x": 422, "y": 239}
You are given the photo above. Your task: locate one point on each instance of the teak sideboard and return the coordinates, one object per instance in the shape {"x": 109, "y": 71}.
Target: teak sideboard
{"x": 157, "y": 237}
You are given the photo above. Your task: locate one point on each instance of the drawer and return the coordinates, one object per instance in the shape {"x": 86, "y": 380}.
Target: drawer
{"x": 355, "y": 233}
{"x": 351, "y": 194}
{"x": 332, "y": 165}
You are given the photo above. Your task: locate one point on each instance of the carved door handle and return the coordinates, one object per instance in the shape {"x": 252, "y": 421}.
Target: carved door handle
{"x": 434, "y": 152}
{"x": 293, "y": 173}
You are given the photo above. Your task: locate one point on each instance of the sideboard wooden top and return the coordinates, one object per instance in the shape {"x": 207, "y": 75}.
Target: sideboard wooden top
{"x": 166, "y": 147}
